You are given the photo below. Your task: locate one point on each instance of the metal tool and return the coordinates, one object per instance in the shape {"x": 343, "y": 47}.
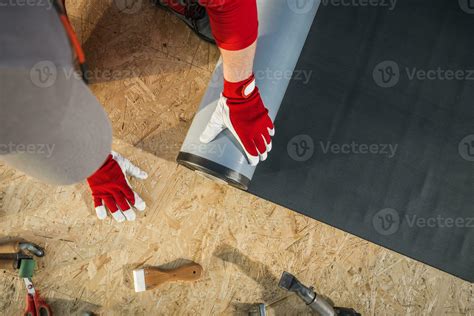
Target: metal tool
{"x": 35, "y": 305}
{"x": 18, "y": 255}
{"x": 32, "y": 248}
{"x": 259, "y": 310}
{"x": 14, "y": 252}
{"x": 316, "y": 302}
{"x": 18, "y": 246}
{"x": 12, "y": 262}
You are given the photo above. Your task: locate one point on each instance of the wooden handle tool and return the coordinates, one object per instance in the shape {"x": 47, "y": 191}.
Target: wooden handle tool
{"x": 151, "y": 278}
{"x": 10, "y": 247}
{"x": 13, "y": 247}
{"x": 9, "y": 264}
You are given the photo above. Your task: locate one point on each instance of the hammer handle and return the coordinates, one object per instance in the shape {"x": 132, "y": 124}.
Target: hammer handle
{"x": 7, "y": 264}
{"x": 10, "y": 247}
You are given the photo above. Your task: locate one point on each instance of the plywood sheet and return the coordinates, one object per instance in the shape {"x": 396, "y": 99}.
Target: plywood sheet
{"x": 242, "y": 242}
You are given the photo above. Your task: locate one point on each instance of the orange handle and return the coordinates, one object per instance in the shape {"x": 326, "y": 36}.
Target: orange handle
{"x": 155, "y": 277}
{"x": 42, "y": 309}
{"x": 30, "y": 309}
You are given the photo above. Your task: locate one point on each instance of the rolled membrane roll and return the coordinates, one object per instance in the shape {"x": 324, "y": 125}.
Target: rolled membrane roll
{"x": 283, "y": 28}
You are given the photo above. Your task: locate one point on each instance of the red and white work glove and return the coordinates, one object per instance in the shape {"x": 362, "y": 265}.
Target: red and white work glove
{"x": 110, "y": 186}
{"x": 241, "y": 110}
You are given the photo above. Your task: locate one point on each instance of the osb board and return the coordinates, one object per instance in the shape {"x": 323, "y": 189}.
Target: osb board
{"x": 159, "y": 73}
{"x": 148, "y": 70}
{"x": 242, "y": 242}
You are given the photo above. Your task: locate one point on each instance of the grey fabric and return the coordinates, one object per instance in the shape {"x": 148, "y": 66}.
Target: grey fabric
{"x": 417, "y": 200}
{"x": 51, "y": 126}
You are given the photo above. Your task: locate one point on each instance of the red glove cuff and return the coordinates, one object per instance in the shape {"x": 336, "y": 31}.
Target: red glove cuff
{"x": 240, "y": 90}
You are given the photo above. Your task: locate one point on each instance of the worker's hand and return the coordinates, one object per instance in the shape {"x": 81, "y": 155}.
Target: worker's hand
{"x": 110, "y": 186}
{"x": 241, "y": 110}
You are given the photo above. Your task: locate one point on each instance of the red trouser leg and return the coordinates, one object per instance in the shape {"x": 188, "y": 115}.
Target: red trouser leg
{"x": 234, "y": 23}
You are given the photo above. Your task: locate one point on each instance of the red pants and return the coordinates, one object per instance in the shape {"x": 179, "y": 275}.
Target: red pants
{"x": 234, "y": 22}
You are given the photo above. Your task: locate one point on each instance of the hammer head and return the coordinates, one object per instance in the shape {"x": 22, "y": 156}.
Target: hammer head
{"x": 288, "y": 281}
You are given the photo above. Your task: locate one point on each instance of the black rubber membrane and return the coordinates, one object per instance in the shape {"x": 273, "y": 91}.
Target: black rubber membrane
{"x": 375, "y": 143}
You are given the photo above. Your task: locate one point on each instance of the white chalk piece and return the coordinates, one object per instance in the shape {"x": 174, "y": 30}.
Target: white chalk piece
{"x": 139, "y": 280}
